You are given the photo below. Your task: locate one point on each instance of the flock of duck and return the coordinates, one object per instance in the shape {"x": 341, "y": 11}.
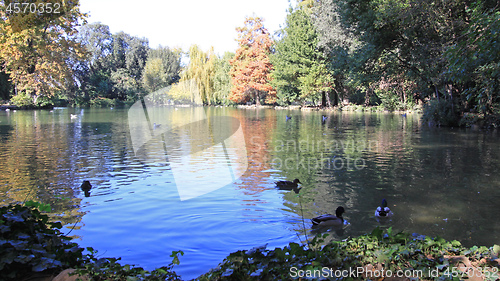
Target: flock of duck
{"x": 382, "y": 211}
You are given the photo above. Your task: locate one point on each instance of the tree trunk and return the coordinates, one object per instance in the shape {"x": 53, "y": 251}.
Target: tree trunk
{"x": 437, "y": 92}
{"x": 257, "y": 97}
{"x": 368, "y": 94}
{"x": 335, "y": 98}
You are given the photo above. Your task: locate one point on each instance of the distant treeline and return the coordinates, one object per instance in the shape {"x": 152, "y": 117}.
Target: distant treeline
{"x": 395, "y": 54}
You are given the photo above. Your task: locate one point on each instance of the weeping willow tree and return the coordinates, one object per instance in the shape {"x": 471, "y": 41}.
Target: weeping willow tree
{"x": 201, "y": 70}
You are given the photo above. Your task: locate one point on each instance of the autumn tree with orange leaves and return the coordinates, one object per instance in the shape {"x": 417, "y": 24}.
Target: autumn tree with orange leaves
{"x": 251, "y": 67}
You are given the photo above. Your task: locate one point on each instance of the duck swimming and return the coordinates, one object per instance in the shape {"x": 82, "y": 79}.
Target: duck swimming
{"x": 288, "y": 185}
{"x": 330, "y": 220}
{"x": 86, "y": 187}
{"x": 383, "y": 211}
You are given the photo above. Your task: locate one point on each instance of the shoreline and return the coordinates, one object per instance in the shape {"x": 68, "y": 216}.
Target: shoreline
{"x": 15, "y": 107}
{"x": 466, "y": 120}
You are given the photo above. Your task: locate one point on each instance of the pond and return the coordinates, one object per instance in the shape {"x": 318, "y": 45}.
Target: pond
{"x": 201, "y": 180}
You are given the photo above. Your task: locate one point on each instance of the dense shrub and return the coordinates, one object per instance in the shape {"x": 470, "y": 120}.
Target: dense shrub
{"x": 30, "y": 243}
{"x": 382, "y": 251}
{"x": 22, "y": 100}
{"x": 441, "y": 113}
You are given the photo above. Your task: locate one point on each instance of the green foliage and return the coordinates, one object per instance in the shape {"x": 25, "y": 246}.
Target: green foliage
{"x": 475, "y": 61}
{"x": 154, "y": 77}
{"x": 30, "y": 243}
{"x": 390, "y": 101}
{"x": 40, "y": 206}
{"x": 300, "y": 72}
{"x": 441, "y": 113}
{"x": 442, "y": 50}
{"x": 393, "y": 251}
{"x": 113, "y": 68}
{"x": 162, "y": 69}
{"x": 125, "y": 87}
{"x": 109, "y": 269}
{"x": 22, "y": 99}
{"x": 5, "y": 86}
{"x": 171, "y": 61}
{"x": 102, "y": 102}
{"x": 222, "y": 79}
{"x": 200, "y": 74}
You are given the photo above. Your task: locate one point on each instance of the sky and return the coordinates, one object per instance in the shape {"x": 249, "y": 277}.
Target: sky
{"x": 181, "y": 23}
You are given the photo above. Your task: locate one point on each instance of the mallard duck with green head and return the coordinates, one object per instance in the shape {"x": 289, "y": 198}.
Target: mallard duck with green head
{"x": 329, "y": 219}
{"x": 383, "y": 211}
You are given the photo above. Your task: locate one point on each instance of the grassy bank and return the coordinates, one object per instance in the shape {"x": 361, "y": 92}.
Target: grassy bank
{"x": 33, "y": 247}
{"x": 378, "y": 255}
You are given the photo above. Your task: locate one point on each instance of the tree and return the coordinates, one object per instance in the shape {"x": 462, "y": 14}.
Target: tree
{"x": 98, "y": 41}
{"x": 433, "y": 50}
{"x": 154, "y": 77}
{"x": 171, "y": 59}
{"x": 300, "y": 68}
{"x": 114, "y": 67}
{"x": 34, "y": 54}
{"x": 136, "y": 56}
{"x": 201, "y": 70}
{"x": 222, "y": 79}
{"x": 337, "y": 42}
{"x": 5, "y": 86}
{"x": 475, "y": 61}
{"x": 251, "y": 67}
{"x": 93, "y": 73}
{"x": 129, "y": 59}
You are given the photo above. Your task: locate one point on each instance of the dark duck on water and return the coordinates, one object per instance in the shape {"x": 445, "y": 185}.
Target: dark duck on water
{"x": 329, "y": 219}
{"x": 288, "y": 185}
{"x": 86, "y": 187}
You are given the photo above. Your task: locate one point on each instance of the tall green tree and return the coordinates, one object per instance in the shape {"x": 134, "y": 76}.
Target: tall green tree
{"x": 222, "y": 79}
{"x": 154, "y": 77}
{"x": 415, "y": 49}
{"x": 93, "y": 74}
{"x": 337, "y": 42}
{"x": 136, "y": 56}
{"x": 114, "y": 68}
{"x": 171, "y": 59}
{"x": 300, "y": 67}
{"x": 475, "y": 61}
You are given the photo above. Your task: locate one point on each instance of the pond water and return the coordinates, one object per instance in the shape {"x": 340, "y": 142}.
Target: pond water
{"x": 201, "y": 180}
